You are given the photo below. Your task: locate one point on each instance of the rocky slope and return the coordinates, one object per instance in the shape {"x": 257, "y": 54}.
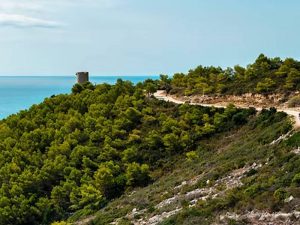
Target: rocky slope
{"x": 238, "y": 178}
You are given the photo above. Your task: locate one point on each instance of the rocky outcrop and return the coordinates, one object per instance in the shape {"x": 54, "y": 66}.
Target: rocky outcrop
{"x": 263, "y": 218}
{"x": 171, "y": 206}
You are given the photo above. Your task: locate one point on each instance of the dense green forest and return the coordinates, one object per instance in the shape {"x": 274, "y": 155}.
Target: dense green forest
{"x": 112, "y": 149}
{"x": 265, "y": 75}
{"x": 78, "y": 151}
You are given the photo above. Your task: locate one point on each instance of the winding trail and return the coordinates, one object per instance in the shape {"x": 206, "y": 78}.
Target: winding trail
{"x": 161, "y": 95}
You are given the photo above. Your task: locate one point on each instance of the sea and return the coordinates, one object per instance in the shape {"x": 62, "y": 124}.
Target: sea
{"x": 20, "y": 92}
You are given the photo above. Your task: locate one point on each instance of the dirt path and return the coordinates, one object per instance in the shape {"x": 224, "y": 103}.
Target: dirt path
{"x": 160, "y": 94}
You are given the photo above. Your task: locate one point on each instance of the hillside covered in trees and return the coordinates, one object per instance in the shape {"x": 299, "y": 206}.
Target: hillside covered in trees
{"x": 265, "y": 75}
{"x": 78, "y": 151}
{"x": 124, "y": 157}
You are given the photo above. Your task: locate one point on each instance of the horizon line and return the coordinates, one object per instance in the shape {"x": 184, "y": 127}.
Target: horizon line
{"x": 91, "y": 75}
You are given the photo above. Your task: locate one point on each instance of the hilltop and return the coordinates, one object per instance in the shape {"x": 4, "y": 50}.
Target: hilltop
{"x": 265, "y": 76}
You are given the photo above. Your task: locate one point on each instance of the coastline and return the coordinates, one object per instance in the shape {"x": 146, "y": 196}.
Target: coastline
{"x": 21, "y": 92}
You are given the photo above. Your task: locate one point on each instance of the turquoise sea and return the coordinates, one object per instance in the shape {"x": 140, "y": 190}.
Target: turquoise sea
{"x": 20, "y": 92}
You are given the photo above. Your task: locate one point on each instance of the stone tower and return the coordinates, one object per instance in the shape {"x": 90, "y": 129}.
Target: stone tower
{"x": 82, "y": 77}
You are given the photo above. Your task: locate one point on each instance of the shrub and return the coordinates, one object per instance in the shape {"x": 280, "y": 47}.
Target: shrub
{"x": 124, "y": 222}
{"x": 253, "y": 190}
{"x": 251, "y": 172}
{"x": 240, "y": 118}
{"x": 296, "y": 179}
{"x": 60, "y": 223}
{"x": 137, "y": 174}
{"x": 294, "y": 101}
{"x": 280, "y": 194}
{"x": 294, "y": 141}
{"x": 192, "y": 156}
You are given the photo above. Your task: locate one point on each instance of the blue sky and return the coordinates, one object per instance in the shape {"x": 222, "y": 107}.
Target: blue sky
{"x": 141, "y": 37}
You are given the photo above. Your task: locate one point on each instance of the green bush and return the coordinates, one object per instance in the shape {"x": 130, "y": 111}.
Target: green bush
{"x": 294, "y": 101}
{"x": 192, "y": 156}
{"x": 60, "y": 223}
{"x": 137, "y": 174}
{"x": 253, "y": 190}
{"x": 294, "y": 140}
{"x": 280, "y": 194}
{"x": 296, "y": 180}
